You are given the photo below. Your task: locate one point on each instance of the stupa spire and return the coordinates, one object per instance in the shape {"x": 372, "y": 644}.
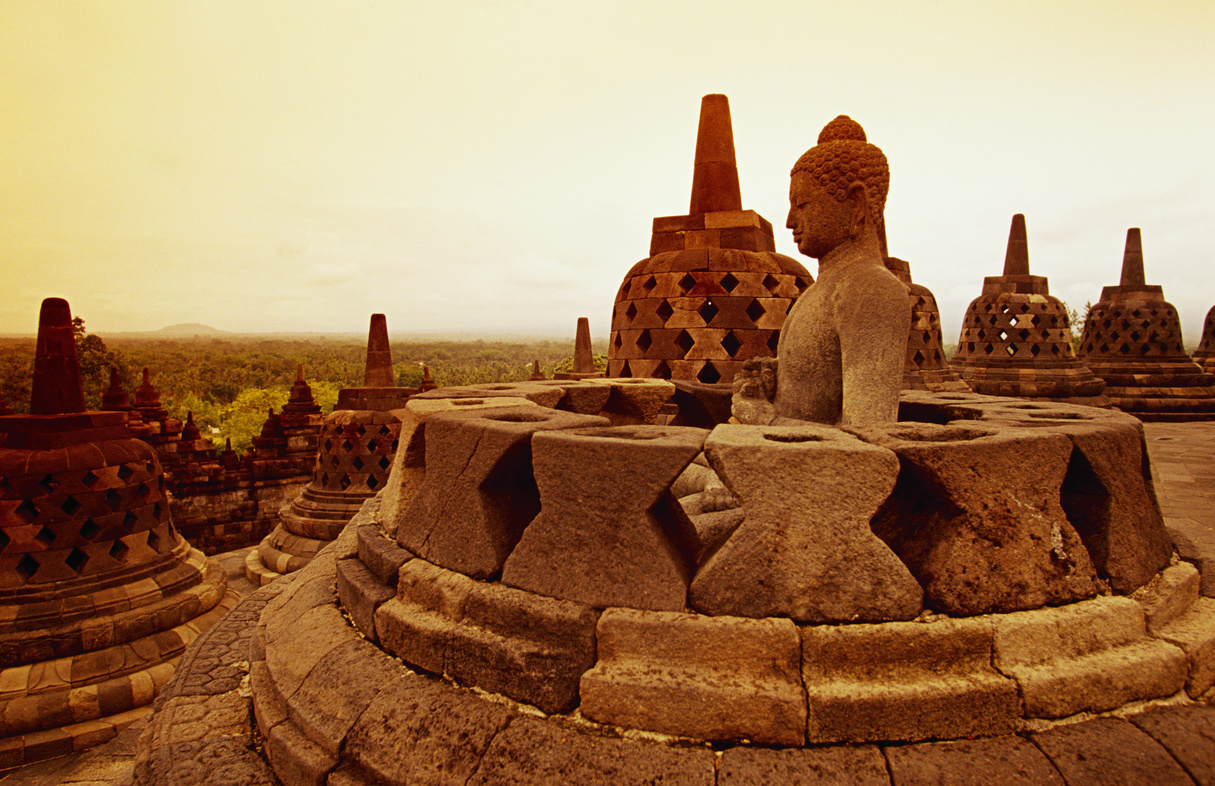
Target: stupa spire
{"x": 1132, "y": 260}
{"x": 715, "y": 176}
{"x": 379, "y": 355}
{"x": 56, "y": 388}
{"x": 1016, "y": 258}
{"x": 584, "y": 360}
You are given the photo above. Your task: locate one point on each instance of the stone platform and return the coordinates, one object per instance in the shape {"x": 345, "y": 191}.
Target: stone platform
{"x": 1169, "y": 743}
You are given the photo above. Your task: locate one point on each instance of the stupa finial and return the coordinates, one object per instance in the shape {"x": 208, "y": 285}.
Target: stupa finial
{"x": 56, "y": 388}
{"x": 584, "y": 360}
{"x": 715, "y": 176}
{"x": 1016, "y": 259}
{"x": 379, "y": 355}
{"x": 1132, "y": 260}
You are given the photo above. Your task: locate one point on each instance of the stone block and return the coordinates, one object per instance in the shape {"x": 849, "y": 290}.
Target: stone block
{"x": 857, "y": 766}
{"x": 381, "y": 555}
{"x": 713, "y": 678}
{"x": 416, "y": 625}
{"x": 804, "y": 549}
{"x": 409, "y": 462}
{"x": 634, "y": 401}
{"x": 976, "y": 517}
{"x": 533, "y": 751}
{"x": 1168, "y": 595}
{"x": 1109, "y": 750}
{"x": 1187, "y": 733}
{"x": 608, "y": 532}
{"x": 905, "y": 681}
{"x": 361, "y": 593}
{"x": 419, "y": 731}
{"x": 531, "y": 648}
{"x": 997, "y": 760}
{"x": 479, "y": 493}
{"x": 314, "y": 634}
{"x": 1089, "y": 656}
{"x": 1194, "y": 632}
{"x": 295, "y": 758}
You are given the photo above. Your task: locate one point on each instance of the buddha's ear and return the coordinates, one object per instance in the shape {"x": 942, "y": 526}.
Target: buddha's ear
{"x": 858, "y": 198}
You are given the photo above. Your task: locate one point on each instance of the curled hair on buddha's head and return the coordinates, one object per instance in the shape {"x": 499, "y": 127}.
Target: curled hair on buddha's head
{"x": 842, "y": 157}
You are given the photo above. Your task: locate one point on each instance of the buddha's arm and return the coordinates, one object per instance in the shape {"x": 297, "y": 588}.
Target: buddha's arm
{"x": 873, "y": 318}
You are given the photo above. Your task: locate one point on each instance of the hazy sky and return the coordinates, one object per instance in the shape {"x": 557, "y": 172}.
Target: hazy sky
{"x": 494, "y": 166}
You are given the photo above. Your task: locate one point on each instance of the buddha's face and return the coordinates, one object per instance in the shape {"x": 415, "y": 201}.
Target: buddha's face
{"x": 819, "y": 221}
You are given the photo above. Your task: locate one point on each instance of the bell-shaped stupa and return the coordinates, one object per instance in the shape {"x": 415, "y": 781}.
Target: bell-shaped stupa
{"x": 357, "y": 443}
{"x": 99, "y": 594}
{"x": 926, "y": 367}
{"x": 1132, "y": 340}
{"x": 1016, "y": 338}
{"x": 1205, "y": 354}
{"x": 713, "y": 292}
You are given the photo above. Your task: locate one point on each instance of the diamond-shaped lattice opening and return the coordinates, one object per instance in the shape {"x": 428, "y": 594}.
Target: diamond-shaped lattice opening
{"x": 685, "y": 341}
{"x": 927, "y": 337}
{"x": 125, "y": 472}
{"x": 89, "y": 530}
{"x": 771, "y": 283}
{"x": 130, "y": 520}
{"x": 27, "y": 566}
{"x": 385, "y": 431}
{"x": 49, "y": 483}
{"x": 709, "y": 375}
{"x": 143, "y": 492}
{"x": 70, "y": 505}
{"x": 89, "y": 480}
{"x": 344, "y": 482}
{"x": 664, "y": 311}
{"x": 993, "y": 320}
{"x": 801, "y": 283}
{"x": 372, "y": 482}
{"x": 119, "y": 551}
{"x": 644, "y": 340}
{"x": 333, "y": 461}
{"x": 361, "y": 430}
{"x": 1013, "y": 321}
{"x": 1004, "y": 308}
{"x": 4, "y": 540}
{"x": 347, "y": 445}
{"x": 154, "y": 541}
{"x": 1024, "y": 334}
{"x": 730, "y": 343}
{"x": 918, "y": 358}
{"x": 396, "y": 443}
{"x": 1037, "y": 320}
{"x": 649, "y": 284}
{"x": 1012, "y": 350}
{"x": 1002, "y": 336}
{"x": 755, "y": 310}
{"x": 27, "y": 510}
{"x": 371, "y": 446}
{"x": 1054, "y": 350}
{"x": 158, "y": 512}
{"x": 45, "y": 536}
{"x": 625, "y": 371}
{"x": 631, "y": 311}
{"x": 729, "y": 282}
{"x": 774, "y": 341}
{"x": 987, "y": 348}
{"x": 357, "y": 463}
{"x": 686, "y": 283}
{"x": 1024, "y": 308}
{"x": 662, "y": 370}
{"x": 76, "y": 560}
{"x": 150, "y": 467}
{"x": 1034, "y": 349}
{"x": 617, "y": 341}
{"x": 325, "y": 479}
{"x": 384, "y": 462}
{"x": 707, "y": 311}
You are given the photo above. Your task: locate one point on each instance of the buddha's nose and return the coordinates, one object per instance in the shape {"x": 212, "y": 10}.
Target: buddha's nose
{"x": 789, "y": 222}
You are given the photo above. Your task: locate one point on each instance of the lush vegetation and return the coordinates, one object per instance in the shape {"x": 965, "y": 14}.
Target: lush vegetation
{"x": 230, "y": 384}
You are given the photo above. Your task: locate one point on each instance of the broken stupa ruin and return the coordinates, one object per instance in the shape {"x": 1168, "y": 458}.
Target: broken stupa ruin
{"x": 1016, "y": 338}
{"x": 100, "y": 595}
{"x": 713, "y": 292}
{"x": 1132, "y": 340}
{"x": 944, "y": 566}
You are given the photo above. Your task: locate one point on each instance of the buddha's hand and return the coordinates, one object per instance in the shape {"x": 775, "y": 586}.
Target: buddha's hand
{"x": 754, "y": 392}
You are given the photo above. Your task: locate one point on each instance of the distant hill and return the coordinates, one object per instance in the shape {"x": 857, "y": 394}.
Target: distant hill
{"x": 189, "y": 330}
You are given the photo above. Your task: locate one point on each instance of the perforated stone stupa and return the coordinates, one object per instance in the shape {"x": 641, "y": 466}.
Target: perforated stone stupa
{"x": 358, "y": 441}
{"x": 1132, "y": 340}
{"x": 1204, "y": 356}
{"x": 713, "y": 292}
{"x": 926, "y": 367}
{"x": 1016, "y": 339}
{"x": 99, "y": 595}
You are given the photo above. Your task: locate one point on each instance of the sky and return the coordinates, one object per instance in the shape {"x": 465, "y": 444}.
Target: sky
{"x": 487, "y": 167}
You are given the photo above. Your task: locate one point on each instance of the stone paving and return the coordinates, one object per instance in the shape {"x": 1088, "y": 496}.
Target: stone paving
{"x": 210, "y": 739}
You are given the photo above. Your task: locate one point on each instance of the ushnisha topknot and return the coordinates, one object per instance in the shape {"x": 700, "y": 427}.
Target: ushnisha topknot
{"x": 843, "y": 156}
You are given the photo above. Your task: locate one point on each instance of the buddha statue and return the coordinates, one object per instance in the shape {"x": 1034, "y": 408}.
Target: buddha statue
{"x": 841, "y": 351}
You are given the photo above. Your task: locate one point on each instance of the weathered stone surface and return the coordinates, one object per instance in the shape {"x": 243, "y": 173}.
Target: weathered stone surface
{"x": 315, "y": 634}
{"x": 804, "y": 549}
{"x": 1188, "y": 733}
{"x": 530, "y": 648}
{"x": 706, "y": 677}
{"x": 1092, "y": 656}
{"x": 1108, "y": 750}
{"x": 409, "y": 463}
{"x": 416, "y": 625}
{"x": 295, "y": 758}
{"x": 860, "y": 766}
{"x": 1107, "y": 492}
{"x": 361, "y": 593}
{"x": 905, "y": 681}
{"x": 634, "y": 402}
{"x": 417, "y": 731}
{"x": 608, "y": 532}
{"x": 1169, "y": 595}
{"x": 479, "y": 493}
{"x": 532, "y": 751}
{"x": 977, "y": 519}
{"x": 996, "y": 760}
{"x": 379, "y": 554}
{"x": 1194, "y": 632}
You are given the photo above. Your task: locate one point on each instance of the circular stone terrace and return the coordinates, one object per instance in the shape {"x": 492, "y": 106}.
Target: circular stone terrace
{"x": 553, "y": 587}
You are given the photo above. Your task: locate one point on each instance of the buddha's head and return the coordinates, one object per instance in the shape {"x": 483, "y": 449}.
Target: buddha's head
{"x": 838, "y": 190}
